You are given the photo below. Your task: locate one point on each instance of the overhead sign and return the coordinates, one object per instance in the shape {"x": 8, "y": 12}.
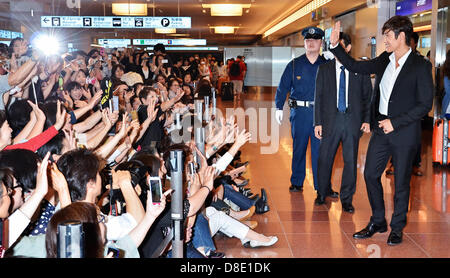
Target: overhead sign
{"x": 208, "y": 48}
{"x": 114, "y": 22}
{"x": 5, "y": 34}
{"x": 112, "y": 43}
{"x": 409, "y": 7}
{"x": 189, "y": 42}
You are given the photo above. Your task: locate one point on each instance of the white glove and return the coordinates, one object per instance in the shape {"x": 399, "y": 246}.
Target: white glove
{"x": 279, "y": 116}
{"x": 328, "y": 55}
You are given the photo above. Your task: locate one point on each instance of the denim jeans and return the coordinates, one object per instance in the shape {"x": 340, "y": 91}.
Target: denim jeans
{"x": 201, "y": 234}
{"x": 237, "y": 198}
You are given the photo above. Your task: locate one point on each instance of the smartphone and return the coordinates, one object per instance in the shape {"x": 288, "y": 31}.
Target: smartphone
{"x": 134, "y": 115}
{"x": 155, "y": 189}
{"x": 115, "y": 251}
{"x": 81, "y": 140}
{"x": 165, "y": 61}
{"x": 115, "y": 103}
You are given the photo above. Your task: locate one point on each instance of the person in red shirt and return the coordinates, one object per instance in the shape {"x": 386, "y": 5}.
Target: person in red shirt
{"x": 36, "y": 142}
{"x": 236, "y": 72}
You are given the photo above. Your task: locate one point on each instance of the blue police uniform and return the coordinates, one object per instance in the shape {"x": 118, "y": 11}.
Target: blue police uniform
{"x": 299, "y": 78}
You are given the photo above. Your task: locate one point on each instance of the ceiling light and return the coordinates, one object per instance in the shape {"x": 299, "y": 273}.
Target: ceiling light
{"x": 422, "y": 28}
{"x": 311, "y": 6}
{"x": 129, "y": 9}
{"x": 226, "y": 9}
{"x": 224, "y": 29}
{"x": 165, "y": 30}
{"x": 178, "y": 35}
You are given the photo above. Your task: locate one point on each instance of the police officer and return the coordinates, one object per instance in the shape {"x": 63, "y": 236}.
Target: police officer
{"x": 299, "y": 78}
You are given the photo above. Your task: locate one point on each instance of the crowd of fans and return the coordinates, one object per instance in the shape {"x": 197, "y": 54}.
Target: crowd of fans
{"x": 81, "y": 136}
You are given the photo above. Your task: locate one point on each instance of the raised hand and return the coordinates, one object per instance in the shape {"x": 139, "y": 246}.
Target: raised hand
{"x": 60, "y": 116}
{"x": 124, "y": 129}
{"x": 96, "y": 98}
{"x": 71, "y": 139}
{"x": 105, "y": 118}
{"x": 334, "y": 38}
{"x": 154, "y": 210}
{"x": 59, "y": 182}
{"x": 243, "y": 137}
{"x": 207, "y": 177}
{"x": 151, "y": 110}
{"x": 41, "y": 176}
{"x": 40, "y": 115}
{"x": 119, "y": 178}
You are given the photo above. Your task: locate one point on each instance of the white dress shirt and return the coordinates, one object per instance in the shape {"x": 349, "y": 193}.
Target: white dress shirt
{"x": 338, "y": 79}
{"x": 388, "y": 81}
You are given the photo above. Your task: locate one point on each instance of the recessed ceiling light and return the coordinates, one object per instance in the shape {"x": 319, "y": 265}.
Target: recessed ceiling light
{"x": 226, "y": 9}
{"x": 129, "y": 9}
{"x": 224, "y": 29}
{"x": 165, "y": 30}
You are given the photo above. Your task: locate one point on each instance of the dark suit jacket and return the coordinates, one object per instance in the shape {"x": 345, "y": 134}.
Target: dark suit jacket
{"x": 325, "y": 102}
{"x": 411, "y": 98}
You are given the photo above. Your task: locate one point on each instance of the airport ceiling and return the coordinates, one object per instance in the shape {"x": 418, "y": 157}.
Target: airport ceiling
{"x": 262, "y": 15}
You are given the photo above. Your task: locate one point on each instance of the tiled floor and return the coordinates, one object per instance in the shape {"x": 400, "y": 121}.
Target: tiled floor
{"x": 308, "y": 231}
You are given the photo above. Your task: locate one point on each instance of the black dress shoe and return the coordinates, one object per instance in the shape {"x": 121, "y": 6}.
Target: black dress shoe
{"x": 333, "y": 194}
{"x": 295, "y": 188}
{"x": 261, "y": 206}
{"x": 348, "y": 208}
{"x": 320, "y": 200}
{"x": 263, "y": 195}
{"x": 216, "y": 255}
{"x": 370, "y": 230}
{"x": 395, "y": 238}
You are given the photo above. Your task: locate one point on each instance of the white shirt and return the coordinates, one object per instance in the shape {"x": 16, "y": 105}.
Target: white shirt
{"x": 388, "y": 81}
{"x": 338, "y": 80}
{"x": 146, "y": 72}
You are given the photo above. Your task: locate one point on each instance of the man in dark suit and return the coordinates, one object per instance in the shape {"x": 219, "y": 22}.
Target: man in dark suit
{"x": 341, "y": 114}
{"x": 403, "y": 94}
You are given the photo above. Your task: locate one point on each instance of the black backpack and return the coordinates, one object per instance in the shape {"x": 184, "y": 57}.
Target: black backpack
{"x": 235, "y": 69}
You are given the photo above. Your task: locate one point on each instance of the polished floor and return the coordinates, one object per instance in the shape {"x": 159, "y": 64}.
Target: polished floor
{"x": 308, "y": 231}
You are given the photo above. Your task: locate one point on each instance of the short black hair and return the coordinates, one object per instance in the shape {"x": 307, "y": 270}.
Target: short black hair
{"x": 2, "y": 117}
{"x": 346, "y": 38}
{"x": 79, "y": 167}
{"x": 159, "y": 47}
{"x": 53, "y": 146}
{"x": 18, "y": 115}
{"x": 73, "y": 86}
{"x": 398, "y": 24}
{"x": 23, "y": 164}
{"x": 415, "y": 37}
{"x": 143, "y": 94}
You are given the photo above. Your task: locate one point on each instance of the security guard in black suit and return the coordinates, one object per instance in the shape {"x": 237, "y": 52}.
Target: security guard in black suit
{"x": 341, "y": 114}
